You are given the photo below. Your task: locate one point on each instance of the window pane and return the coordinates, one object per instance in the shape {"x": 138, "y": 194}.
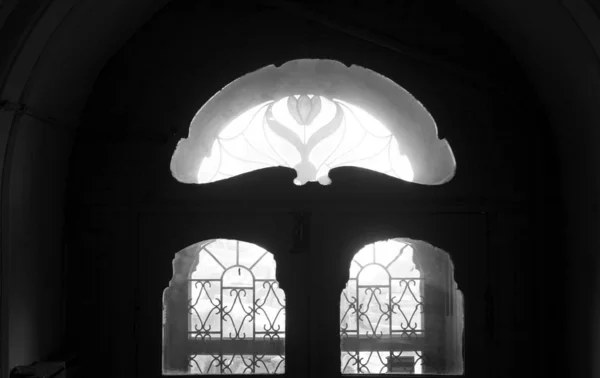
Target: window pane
{"x": 384, "y": 325}
{"x": 236, "y": 364}
{"x": 232, "y": 320}
{"x": 312, "y": 134}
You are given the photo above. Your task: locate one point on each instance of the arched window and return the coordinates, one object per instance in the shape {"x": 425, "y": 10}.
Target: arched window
{"x": 225, "y": 294}
{"x": 313, "y": 115}
{"x": 401, "y": 311}
{"x": 309, "y": 133}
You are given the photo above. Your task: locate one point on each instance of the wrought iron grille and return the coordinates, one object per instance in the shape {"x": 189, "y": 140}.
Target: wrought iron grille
{"x": 381, "y": 315}
{"x": 236, "y": 322}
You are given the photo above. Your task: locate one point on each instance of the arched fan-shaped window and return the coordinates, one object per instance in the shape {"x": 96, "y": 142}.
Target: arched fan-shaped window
{"x": 224, "y": 311}
{"x": 309, "y": 133}
{"x": 401, "y": 312}
{"x": 313, "y": 116}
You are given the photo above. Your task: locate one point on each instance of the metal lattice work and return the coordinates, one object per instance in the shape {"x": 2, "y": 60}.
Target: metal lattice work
{"x": 311, "y": 134}
{"x": 236, "y": 311}
{"x": 381, "y": 315}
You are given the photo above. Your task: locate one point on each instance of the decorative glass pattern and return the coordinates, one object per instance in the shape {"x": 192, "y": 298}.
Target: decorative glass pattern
{"x": 236, "y": 311}
{"x": 309, "y": 133}
{"x": 381, "y": 314}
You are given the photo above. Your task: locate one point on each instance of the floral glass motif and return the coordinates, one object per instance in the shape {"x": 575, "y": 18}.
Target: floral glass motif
{"x": 309, "y": 133}
{"x": 236, "y": 311}
{"x": 381, "y": 312}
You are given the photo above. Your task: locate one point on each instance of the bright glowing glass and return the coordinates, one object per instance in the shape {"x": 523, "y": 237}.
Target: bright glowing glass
{"x": 236, "y": 311}
{"x": 381, "y": 319}
{"x": 311, "y": 134}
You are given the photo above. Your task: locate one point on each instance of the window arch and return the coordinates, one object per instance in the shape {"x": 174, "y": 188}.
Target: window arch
{"x": 401, "y": 311}
{"x": 309, "y": 133}
{"x": 313, "y": 115}
{"x": 224, "y": 312}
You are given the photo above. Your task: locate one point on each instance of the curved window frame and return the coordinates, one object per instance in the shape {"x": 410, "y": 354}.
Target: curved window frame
{"x": 311, "y": 134}
{"x": 413, "y": 126}
{"x": 431, "y": 157}
{"x": 182, "y": 346}
{"x": 437, "y": 341}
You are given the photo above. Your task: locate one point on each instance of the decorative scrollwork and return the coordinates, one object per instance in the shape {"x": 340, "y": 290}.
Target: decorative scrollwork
{"x": 204, "y": 330}
{"x": 236, "y": 364}
{"x": 409, "y": 323}
{"x": 309, "y": 133}
{"x": 237, "y": 320}
{"x": 381, "y": 312}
